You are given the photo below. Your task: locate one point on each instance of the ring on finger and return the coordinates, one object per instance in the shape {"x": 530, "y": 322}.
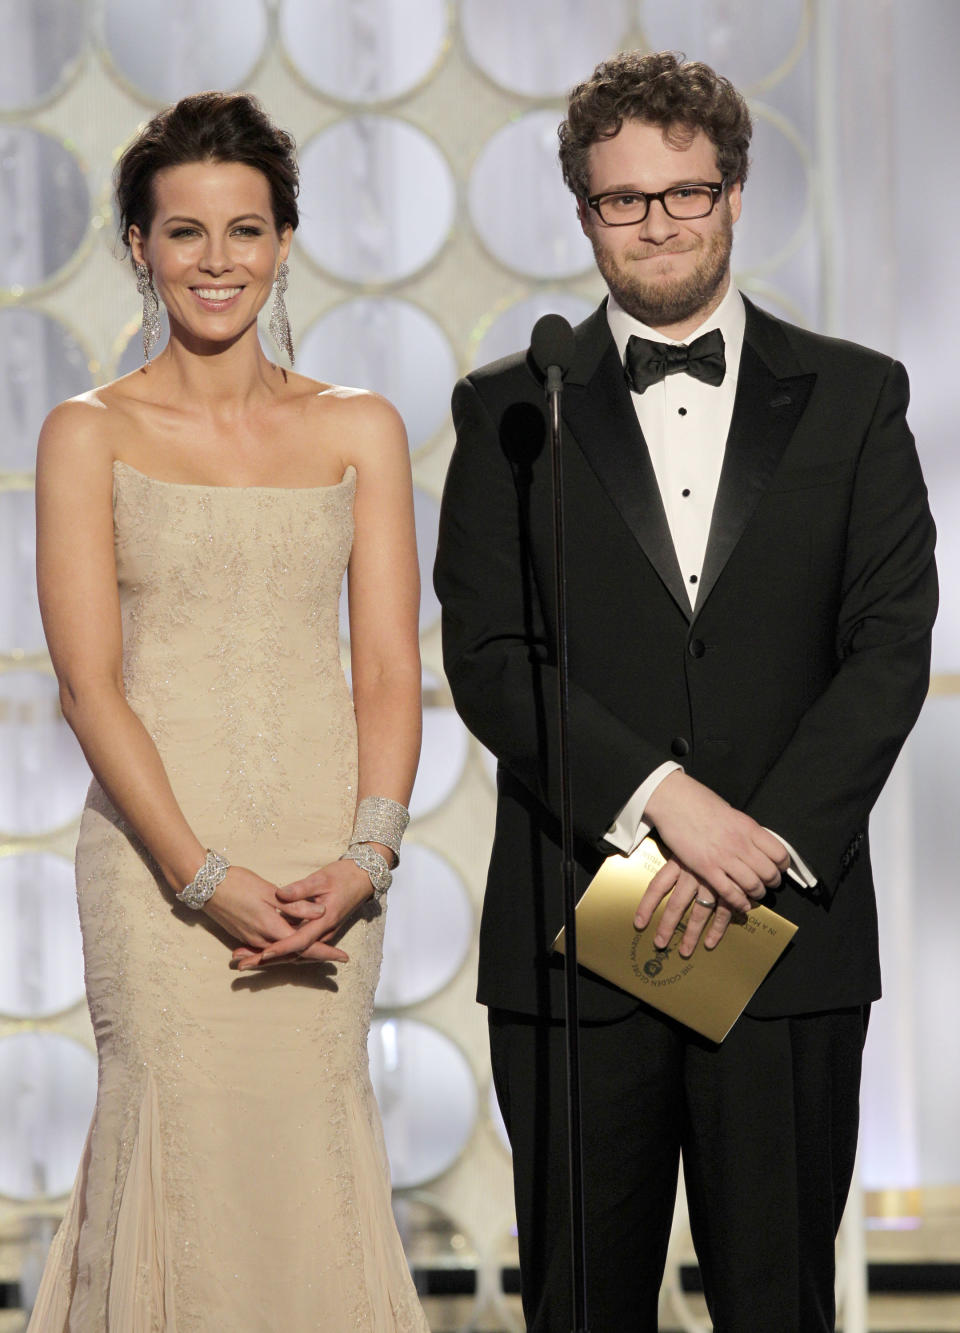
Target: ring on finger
{"x": 707, "y": 902}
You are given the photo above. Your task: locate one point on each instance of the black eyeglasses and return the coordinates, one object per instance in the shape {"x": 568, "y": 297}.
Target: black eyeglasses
{"x": 683, "y": 202}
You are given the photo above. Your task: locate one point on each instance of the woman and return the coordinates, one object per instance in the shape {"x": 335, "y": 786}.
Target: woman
{"x": 194, "y": 521}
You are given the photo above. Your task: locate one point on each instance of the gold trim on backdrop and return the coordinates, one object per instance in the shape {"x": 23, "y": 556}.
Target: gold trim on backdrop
{"x": 893, "y": 1205}
{"x": 36, "y": 844}
{"x": 944, "y": 683}
{"x": 72, "y": 1022}
{"x": 765, "y": 291}
{"x": 122, "y": 341}
{"x": 806, "y": 226}
{"x": 10, "y": 1024}
{"x": 780, "y": 72}
{"x": 13, "y": 844}
{"x": 437, "y": 696}
{"x": 30, "y": 710}
{"x": 485, "y": 322}
{"x": 45, "y": 1208}
{"x": 20, "y": 661}
{"x": 105, "y": 216}
{"x": 531, "y": 288}
{"x": 17, "y": 481}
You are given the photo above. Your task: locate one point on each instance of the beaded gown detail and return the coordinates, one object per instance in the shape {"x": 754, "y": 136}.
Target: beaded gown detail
{"x": 235, "y": 1175}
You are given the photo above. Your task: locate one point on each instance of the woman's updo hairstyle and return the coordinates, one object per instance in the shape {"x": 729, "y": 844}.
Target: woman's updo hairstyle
{"x": 207, "y": 127}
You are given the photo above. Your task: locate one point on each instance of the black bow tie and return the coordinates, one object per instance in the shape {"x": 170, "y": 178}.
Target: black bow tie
{"x": 648, "y": 362}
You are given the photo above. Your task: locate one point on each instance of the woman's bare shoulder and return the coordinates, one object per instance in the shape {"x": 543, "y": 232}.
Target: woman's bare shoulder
{"x": 80, "y": 420}
{"x": 368, "y": 415}
{"x": 320, "y": 398}
{"x": 98, "y": 408}
{"x": 358, "y": 424}
{"x": 84, "y": 429}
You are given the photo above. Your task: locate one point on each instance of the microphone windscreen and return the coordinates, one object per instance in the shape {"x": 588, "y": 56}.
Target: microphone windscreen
{"x": 551, "y": 343}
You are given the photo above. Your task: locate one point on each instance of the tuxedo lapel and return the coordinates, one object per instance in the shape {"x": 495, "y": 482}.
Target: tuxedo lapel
{"x": 599, "y": 413}
{"x": 766, "y": 411}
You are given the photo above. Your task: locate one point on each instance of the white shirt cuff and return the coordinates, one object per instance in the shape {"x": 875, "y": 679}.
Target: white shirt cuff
{"x": 798, "y": 870}
{"x": 629, "y": 828}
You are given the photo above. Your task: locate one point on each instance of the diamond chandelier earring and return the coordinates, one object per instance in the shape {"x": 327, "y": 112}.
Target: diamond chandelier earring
{"x": 279, "y": 320}
{"x": 151, "y": 310}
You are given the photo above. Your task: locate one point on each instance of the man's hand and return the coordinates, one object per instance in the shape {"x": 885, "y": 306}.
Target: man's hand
{"x": 730, "y": 853}
{"x": 684, "y": 888}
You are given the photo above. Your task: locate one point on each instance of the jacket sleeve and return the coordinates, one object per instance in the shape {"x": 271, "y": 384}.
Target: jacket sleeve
{"x": 820, "y": 791}
{"x": 497, "y": 655}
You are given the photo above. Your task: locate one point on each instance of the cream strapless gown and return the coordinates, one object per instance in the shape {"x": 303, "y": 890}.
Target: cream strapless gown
{"x": 234, "y": 1177}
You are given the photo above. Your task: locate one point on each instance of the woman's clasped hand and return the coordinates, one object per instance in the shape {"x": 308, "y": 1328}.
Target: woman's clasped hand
{"x": 293, "y": 923}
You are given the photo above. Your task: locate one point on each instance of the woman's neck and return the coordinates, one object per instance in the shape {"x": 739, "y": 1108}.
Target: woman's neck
{"x": 216, "y": 379}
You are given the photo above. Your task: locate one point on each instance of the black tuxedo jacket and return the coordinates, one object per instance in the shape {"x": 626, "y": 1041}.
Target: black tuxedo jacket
{"x": 789, "y": 690}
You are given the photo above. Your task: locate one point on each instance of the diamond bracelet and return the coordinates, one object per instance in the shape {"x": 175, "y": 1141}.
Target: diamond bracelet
{"x": 379, "y": 819}
{"x": 374, "y": 863}
{"x": 205, "y": 882}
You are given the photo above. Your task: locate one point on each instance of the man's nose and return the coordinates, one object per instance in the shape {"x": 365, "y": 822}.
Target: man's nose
{"x": 658, "y": 225}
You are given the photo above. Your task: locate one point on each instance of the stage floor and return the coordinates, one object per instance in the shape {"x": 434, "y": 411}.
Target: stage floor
{"x": 914, "y": 1282}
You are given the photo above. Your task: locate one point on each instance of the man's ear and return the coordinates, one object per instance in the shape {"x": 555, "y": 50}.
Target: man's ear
{"x": 734, "y": 196}
{"x": 585, "y": 214}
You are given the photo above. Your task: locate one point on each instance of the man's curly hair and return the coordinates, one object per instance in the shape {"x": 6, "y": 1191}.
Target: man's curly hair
{"x": 661, "y": 88}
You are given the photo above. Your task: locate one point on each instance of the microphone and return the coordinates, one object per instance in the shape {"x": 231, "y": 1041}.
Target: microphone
{"x": 552, "y": 352}
{"x": 552, "y": 348}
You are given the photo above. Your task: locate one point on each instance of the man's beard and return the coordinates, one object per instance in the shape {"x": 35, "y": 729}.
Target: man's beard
{"x": 669, "y": 301}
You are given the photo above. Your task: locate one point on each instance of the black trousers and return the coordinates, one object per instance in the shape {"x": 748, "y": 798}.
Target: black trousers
{"x": 767, "y": 1127}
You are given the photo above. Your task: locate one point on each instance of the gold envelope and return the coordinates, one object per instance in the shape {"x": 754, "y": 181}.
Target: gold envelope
{"x": 707, "y": 991}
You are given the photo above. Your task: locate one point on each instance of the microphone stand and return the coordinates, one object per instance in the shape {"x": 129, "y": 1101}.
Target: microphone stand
{"x": 554, "y": 388}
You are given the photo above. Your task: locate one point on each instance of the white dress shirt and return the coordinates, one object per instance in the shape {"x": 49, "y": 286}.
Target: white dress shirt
{"x": 685, "y": 423}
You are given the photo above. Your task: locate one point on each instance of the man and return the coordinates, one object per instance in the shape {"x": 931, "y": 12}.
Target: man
{"x": 751, "y": 590}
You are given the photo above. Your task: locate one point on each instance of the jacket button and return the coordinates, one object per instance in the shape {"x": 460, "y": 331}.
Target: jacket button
{"x": 697, "y": 647}
{"x": 679, "y": 746}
